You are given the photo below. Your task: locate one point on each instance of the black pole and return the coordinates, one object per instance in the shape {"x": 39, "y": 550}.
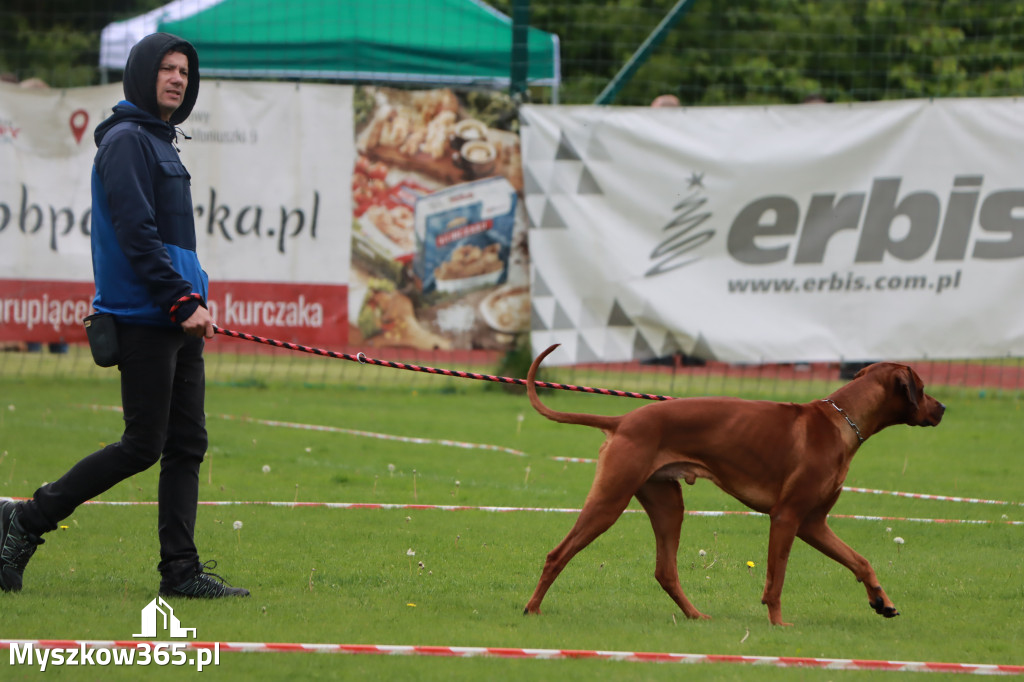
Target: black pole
{"x": 644, "y": 51}
{"x": 520, "y": 48}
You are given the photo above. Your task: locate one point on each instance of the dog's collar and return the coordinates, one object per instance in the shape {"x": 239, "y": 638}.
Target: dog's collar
{"x": 849, "y": 421}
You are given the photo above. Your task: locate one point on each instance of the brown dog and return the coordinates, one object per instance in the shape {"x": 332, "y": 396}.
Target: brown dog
{"x": 786, "y": 460}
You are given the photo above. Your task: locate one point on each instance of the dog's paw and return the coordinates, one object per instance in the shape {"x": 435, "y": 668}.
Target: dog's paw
{"x": 881, "y": 609}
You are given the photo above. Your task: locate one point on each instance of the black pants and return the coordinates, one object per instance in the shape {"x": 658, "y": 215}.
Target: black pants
{"x": 163, "y": 387}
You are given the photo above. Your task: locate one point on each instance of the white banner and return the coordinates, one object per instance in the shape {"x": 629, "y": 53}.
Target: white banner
{"x": 270, "y": 167}
{"x": 774, "y": 234}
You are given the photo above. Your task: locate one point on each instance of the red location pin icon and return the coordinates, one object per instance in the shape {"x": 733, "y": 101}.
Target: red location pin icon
{"x": 79, "y": 121}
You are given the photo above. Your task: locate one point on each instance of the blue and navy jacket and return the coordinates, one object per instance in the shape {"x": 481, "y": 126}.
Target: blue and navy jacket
{"x": 143, "y": 230}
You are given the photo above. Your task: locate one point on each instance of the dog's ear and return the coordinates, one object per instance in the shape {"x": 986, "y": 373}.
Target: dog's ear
{"x": 907, "y": 383}
{"x": 862, "y": 371}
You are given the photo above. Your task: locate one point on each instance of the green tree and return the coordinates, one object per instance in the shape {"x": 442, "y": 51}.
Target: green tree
{"x": 59, "y": 40}
{"x": 735, "y": 52}
{"x": 770, "y": 51}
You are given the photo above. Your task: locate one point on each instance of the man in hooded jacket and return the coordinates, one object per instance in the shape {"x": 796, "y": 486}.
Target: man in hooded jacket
{"x": 149, "y": 278}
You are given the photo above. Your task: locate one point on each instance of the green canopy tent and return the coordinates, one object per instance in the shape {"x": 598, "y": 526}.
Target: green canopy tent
{"x": 451, "y": 42}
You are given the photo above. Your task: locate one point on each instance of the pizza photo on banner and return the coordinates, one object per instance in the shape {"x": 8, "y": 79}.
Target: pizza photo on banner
{"x": 439, "y": 257}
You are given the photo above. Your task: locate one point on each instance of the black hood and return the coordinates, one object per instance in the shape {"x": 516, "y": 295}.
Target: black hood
{"x": 141, "y": 70}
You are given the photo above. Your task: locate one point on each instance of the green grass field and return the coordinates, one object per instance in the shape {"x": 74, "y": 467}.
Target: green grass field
{"x": 345, "y": 576}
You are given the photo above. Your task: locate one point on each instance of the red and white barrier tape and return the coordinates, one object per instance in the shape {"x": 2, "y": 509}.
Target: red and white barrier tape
{"x": 869, "y": 491}
{"x": 537, "y": 654}
{"x": 350, "y": 432}
{"x": 556, "y": 510}
{"x": 519, "y": 453}
{"x": 923, "y": 496}
{"x": 379, "y": 436}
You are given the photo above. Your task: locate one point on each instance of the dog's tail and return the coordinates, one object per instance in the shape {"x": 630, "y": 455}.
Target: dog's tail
{"x": 606, "y": 424}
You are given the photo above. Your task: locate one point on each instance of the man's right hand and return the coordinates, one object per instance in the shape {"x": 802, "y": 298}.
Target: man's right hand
{"x": 199, "y": 323}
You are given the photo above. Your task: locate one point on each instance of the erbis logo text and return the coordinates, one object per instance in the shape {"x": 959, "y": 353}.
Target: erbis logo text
{"x": 775, "y": 229}
{"x": 1000, "y": 215}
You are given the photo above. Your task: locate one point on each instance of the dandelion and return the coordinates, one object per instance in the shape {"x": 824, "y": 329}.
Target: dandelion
{"x": 237, "y": 525}
{"x": 309, "y": 450}
{"x": 899, "y": 541}
{"x": 421, "y": 566}
{"x": 519, "y": 423}
{"x": 266, "y": 468}
{"x": 702, "y": 554}
{"x": 410, "y": 553}
{"x": 391, "y": 470}
{"x": 64, "y": 527}
{"x": 526, "y": 481}
{"x": 750, "y": 567}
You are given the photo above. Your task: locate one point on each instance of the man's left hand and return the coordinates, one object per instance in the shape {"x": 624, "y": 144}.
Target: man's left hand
{"x": 199, "y": 323}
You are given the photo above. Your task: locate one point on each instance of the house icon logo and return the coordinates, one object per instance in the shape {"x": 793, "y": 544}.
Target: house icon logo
{"x": 159, "y": 612}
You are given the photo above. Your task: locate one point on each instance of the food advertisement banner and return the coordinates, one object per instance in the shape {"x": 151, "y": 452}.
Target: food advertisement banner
{"x": 374, "y": 217}
{"x": 817, "y": 232}
{"x": 438, "y": 231}
{"x": 270, "y": 194}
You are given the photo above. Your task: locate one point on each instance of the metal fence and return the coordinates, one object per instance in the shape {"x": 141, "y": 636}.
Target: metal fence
{"x": 234, "y": 363}
{"x": 741, "y": 52}
{"x": 711, "y": 52}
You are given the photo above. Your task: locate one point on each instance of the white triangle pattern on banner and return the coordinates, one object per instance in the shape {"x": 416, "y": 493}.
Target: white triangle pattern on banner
{"x": 590, "y": 329}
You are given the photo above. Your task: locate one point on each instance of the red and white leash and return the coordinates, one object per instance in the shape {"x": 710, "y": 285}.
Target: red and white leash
{"x": 365, "y": 360}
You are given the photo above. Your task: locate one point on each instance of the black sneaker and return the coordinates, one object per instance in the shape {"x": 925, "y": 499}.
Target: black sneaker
{"x": 202, "y": 585}
{"x": 17, "y": 546}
